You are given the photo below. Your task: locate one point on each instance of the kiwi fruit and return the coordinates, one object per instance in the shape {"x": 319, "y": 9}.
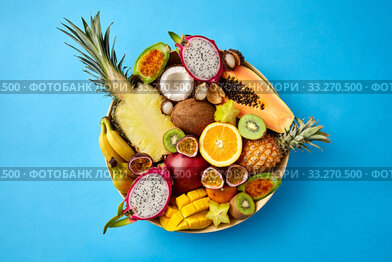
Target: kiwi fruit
{"x": 252, "y": 127}
{"x": 171, "y": 138}
{"x": 242, "y": 206}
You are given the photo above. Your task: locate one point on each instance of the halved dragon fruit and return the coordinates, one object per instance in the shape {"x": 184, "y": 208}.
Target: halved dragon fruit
{"x": 200, "y": 57}
{"x": 149, "y": 195}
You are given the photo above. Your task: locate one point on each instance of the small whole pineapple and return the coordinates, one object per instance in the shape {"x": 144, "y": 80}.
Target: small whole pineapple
{"x": 266, "y": 153}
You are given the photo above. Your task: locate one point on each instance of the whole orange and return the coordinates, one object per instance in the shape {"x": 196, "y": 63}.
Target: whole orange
{"x": 222, "y": 195}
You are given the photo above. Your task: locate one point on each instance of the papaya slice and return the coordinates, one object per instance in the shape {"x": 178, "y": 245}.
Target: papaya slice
{"x": 261, "y": 185}
{"x": 252, "y": 95}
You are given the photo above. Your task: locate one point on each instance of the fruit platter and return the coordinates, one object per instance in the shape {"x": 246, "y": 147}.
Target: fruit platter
{"x": 196, "y": 139}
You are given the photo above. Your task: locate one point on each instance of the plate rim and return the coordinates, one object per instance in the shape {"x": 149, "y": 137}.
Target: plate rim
{"x": 259, "y": 204}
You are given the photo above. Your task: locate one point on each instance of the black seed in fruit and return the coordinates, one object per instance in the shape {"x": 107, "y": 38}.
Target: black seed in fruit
{"x": 251, "y": 127}
{"x": 242, "y": 206}
{"x": 211, "y": 178}
{"x": 236, "y": 175}
{"x": 188, "y": 146}
{"x": 140, "y": 163}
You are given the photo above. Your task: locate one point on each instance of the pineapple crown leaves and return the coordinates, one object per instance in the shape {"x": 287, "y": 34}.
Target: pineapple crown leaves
{"x": 302, "y": 134}
{"x": 99, "y": 59}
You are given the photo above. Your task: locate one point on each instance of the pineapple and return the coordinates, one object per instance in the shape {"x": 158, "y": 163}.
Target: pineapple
{"x": 138, "y": 117}
{"x": 264, "y": 154}
{"x": 137, "y": 114}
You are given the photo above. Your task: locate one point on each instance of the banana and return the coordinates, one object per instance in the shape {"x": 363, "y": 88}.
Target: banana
{"x": 106, "y": 148}
{"x": 117, "y": 142}
{"x": 121, "y": 180}
{"x": 124, "y": 166}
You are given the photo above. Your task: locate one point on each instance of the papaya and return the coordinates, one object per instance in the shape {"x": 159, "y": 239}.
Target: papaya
{"x": 252, "y": 95}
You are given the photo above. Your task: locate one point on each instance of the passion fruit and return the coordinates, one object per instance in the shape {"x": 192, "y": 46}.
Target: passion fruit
{"x": 140, "y": 163}
{"x": 188, "y": 146}
{"x": 211, "y": 178}
{"x": 236, "y": 175}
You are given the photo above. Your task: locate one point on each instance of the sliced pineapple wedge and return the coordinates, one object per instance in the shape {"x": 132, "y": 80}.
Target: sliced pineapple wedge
{"x": 139, "y": 117}
{"x": 138, "y": 112}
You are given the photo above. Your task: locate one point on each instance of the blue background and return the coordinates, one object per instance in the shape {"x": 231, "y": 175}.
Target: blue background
{"x": 307, "y": 221}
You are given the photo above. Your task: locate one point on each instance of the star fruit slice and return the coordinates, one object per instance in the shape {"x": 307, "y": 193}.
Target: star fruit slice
{"x": 218, "y": 213}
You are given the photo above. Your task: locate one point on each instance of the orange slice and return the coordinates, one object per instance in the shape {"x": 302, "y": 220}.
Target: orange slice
{"x": 220, "y": 144}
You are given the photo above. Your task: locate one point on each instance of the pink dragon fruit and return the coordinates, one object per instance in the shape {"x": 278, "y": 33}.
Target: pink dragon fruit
{"x": 147, "y": 198}
{"x": 200, "y": 57}
{"x": 149, "y": 195}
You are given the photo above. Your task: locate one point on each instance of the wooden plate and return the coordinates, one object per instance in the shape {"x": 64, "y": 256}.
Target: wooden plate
{"x": 174, "y": 59}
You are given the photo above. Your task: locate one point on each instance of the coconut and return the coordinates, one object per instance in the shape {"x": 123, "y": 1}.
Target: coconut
{"x": 193, "y": 116}
{"x": 175, "y": 83}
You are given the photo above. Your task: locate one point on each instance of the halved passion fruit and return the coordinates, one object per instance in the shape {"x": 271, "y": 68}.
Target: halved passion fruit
{"x": 188, "y": 146}
{"x": 236, "y": 175}
{"x": 140, "y": 163}
{"x": 211, "y": 178}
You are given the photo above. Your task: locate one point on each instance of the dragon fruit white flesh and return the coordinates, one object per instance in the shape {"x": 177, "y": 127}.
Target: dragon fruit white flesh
{"x": 200, "y": 57}
{"x": 149, "y": 195}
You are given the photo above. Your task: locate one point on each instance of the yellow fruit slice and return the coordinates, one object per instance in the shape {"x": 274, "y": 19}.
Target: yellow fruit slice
{"x": 189, "y": 213}
{"x": 164, "y": 220}
{"x": 195, "y": 207}
{"x": 182, "y": 201}
{"x": 174, "y": 221}
{"x": 170, "y": 211}
{"x": 196, "y": 194}
{"x": 220, "y": 144}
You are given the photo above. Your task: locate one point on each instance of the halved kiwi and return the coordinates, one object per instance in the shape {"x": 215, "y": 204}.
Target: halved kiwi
{"x": 252, "y": 127}
{"x": 171, "y": 138}
{"x": 241, "y": 206}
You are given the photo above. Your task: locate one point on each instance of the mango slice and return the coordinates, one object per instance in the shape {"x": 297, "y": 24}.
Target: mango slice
{"x": 183, "y": 225}
{"x": 164, "y": 220}
{"x": 174, "y": 221}
{"x": 170, "y": 211}
{"x": 198, "y": 221}
{"x": 182, "y": 201}
{"x": 189, "y": 213}
{"x": 195, "y": 207}
{"x": 196, "y": 194}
